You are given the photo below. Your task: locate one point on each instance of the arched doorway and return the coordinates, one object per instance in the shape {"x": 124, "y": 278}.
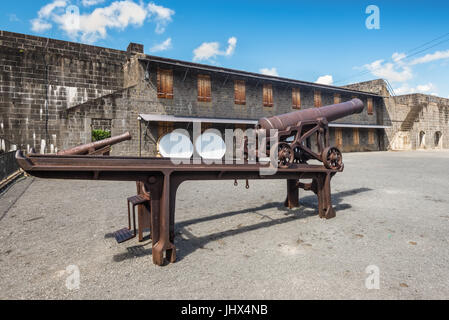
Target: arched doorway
{"x": 422, "y": 139}
{"x": 438, "y": 139}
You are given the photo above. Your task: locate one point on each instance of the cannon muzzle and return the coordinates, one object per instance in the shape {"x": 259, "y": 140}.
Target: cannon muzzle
{"x": 330, "y": 113}
{"x": 91, "y": 148}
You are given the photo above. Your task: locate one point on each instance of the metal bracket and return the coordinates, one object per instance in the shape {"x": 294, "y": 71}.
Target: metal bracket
{"x": 226, "y": 80}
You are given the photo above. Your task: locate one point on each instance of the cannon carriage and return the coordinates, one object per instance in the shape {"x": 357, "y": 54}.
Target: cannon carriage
{"x": 288, "y": 137}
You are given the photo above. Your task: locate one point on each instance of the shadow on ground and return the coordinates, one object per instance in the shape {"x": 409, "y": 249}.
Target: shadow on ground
{"x": 309, "y": 205}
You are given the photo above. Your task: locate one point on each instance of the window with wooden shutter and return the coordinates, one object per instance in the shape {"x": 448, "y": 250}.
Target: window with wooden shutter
{"x": 296, "y": 98}
{"x": 371, "y": 137}
{"x": 356, "y": 136}
{"x": 165, "y": 84}
{"x": 337, "y": 98}
{"x": 204, "y": 88}
{"x": 239, "y": 92}
{"x": 370, "y": 106}
{"x": 317, "y": 99}
{"x": 267, "y": 95}
{"x": 339, "y": 138}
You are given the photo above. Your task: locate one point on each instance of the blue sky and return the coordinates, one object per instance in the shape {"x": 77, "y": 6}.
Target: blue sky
{"x": 307, "y": 40}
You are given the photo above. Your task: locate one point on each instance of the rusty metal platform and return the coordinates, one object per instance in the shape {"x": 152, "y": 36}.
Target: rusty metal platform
{"x": 162, "y": 178}
{"x": 291, "y": 134}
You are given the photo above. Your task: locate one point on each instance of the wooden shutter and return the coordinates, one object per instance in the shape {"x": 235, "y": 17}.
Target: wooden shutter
{"x": 267, "y": 95}
{"x": 317, "y": 99}
{"x": 296, "y": 98}
{"x": 339, "y": 138}
{"x": 205, "y": 126}
{"x": 239, "y": 92}
{"x": 370, "y": 106}
{"x": 164, "y": 128}
{"x": 371, "y": 139}
{"x": 165, "y": 84}
{"x": 204, "y": 88}
{"x": 356, "y": 136}
{"x": 337, "y": 98}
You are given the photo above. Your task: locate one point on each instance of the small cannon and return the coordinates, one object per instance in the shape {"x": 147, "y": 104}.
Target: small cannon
{"x": 293, "y": 133}
{"x": 102, "y": 147}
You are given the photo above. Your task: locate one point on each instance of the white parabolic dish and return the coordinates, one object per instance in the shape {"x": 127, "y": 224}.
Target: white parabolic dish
{"x": 176, "y": 145}
{"x": 210, "y": 146}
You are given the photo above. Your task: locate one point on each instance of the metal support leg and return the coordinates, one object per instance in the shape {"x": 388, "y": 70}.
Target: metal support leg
{"x": 134, "y": 221}
{"x": 326, "y": 210}
{"x": 292, "y": 194}
{"x": 161, "y": 197}
{"x": 129, "y": 217}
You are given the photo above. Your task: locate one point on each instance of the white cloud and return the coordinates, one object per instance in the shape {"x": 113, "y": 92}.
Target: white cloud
{"x": 162, "y": 16}
{"x": 206, "y": 51}
{"x": 166, "y": 45}
{"x": 88, "y": 3}
{"x": 396, "y": 71}
{"x": 38, "y": 25}
{"x": 269, "y": 72}
{"x": 46, "y": 10}
{"x": 422, "y": 88}
{"x": 232, "y": 43}
{"x": 41, "y": 24}
{"x": 327, "y": 79}
{"x": 210, "y": 50}
{"x": 94, "y": 25}
{"x": 400, "y": 69}
{"x": 438, "y": 55}
{"x": 425, "y": 87}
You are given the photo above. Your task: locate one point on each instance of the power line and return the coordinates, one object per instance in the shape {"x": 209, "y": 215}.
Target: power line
{"x": 409, "y": 54}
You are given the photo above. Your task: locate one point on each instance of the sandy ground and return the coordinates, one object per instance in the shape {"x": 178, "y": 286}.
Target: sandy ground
{"x": 233, "y": 243}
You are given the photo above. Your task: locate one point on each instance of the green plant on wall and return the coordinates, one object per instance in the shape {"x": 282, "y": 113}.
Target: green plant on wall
{"x": 98, "y": 135}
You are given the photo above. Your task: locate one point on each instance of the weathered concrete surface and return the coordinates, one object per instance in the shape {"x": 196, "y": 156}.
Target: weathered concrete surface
{"x": 393, "y": 212}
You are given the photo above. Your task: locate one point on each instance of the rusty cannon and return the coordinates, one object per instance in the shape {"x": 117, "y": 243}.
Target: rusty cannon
{"x": 102, "y": 147}
{"x": 293, "y": 134}
{"x": 158, "y": 179}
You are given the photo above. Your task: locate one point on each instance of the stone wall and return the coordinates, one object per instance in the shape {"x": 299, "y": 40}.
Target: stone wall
{"x": 40, "y": 79}
{"x": 424, "y": 122}
{"x": 417, "y": 121}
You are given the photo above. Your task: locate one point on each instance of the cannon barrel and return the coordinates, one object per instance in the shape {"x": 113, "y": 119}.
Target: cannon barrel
{"x": 330, "y": 113}
{"x": 86, "y": 148}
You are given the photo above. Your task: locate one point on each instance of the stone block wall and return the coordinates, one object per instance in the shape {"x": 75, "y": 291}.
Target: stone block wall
{"x": 41, "y": 79}
{"x": 417, "y": 121}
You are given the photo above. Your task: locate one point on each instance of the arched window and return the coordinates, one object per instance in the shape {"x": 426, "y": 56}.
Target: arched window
{"x": 437, "y": 139}
{"x": 422, "y": 139}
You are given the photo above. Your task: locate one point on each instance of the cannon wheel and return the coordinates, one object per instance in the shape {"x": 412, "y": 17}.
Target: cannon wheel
{"x": 332, "y": 158}
{"x": 285, "y": 155}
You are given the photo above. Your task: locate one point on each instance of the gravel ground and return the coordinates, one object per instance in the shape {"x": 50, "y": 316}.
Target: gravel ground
{"x": 233, "y": 243}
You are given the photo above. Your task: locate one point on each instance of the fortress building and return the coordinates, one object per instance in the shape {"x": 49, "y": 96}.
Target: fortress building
{"x": 54, "y": 93}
